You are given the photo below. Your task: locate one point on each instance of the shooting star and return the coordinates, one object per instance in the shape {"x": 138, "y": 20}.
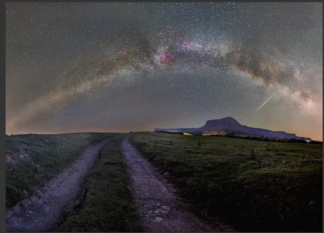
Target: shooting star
{"x": 265, "y": 101}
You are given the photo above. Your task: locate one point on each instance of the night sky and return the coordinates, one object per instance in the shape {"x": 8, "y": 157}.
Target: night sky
{"x": 120, "y": 67}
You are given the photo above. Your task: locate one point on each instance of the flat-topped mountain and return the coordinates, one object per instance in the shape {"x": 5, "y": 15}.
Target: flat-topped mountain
{"x": 226, "y": 124}
{"x": 230, "y": 125}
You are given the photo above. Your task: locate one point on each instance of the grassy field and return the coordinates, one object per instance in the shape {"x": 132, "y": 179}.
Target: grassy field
{"x": 34, "y": 159}
{"x": 105, "y": 203}
{"x": 253, "y": 185}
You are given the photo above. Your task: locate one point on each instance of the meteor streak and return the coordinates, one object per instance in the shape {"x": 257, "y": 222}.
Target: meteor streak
{"x": 265, "y": 101}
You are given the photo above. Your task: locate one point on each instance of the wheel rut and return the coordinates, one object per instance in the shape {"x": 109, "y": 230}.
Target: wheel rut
{"x": 43, "y": 211}
{"x": 160, "y": 208}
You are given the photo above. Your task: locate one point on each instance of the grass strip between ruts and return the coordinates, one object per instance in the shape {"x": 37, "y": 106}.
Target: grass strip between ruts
{"x": 105, "y": 204}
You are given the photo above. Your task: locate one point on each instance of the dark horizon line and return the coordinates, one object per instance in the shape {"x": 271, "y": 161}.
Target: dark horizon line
{"x": 97, "y": 132}
{"x": 81, "y": 132}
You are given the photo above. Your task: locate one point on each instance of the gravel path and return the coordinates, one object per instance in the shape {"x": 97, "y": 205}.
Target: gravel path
{"x": 161, "y": 210}
{"x": 43, "y": 211}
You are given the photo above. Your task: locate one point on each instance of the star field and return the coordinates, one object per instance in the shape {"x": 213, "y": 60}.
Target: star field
{"x": 75, "y": 67}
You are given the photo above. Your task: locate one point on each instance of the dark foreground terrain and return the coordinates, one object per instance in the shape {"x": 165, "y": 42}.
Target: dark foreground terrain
{"x": 162, "y": 210}
{"x": 252, "y": 185}
{"x": 43, "y": 210}
{"x": 248, "y": 185}
{"x": 34, "y": 159}
{"x": 103, "y": 203}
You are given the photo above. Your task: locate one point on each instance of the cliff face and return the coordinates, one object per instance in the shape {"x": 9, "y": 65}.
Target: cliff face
{"x": 229, "y": 124}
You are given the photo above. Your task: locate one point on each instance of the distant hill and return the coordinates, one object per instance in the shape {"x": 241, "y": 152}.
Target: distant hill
{"x": 230, "y": 125}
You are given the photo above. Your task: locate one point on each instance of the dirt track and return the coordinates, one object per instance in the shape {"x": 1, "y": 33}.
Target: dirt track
{"x": 161, "y": 210}
{"x": 43, "y": 211}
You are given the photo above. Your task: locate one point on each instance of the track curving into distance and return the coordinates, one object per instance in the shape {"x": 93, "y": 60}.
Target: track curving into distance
{"x": 43, "y": 211}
